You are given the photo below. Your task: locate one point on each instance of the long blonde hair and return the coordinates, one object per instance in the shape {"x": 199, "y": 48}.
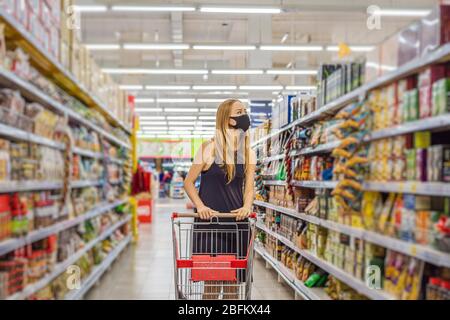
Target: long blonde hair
{"x": 224, "y": 144}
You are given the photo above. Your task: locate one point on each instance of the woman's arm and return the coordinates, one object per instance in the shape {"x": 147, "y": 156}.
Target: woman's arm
{"x": 200, "y": 160}
{"x": 249, "y": 189}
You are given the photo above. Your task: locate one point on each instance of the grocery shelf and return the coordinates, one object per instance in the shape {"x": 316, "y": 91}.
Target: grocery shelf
{"x": 98, "y": 271}
{"x": 434, "y": 123}
{"x": 117, "y": 161}
{"x": 54, "y": 69}
{"x": 412, "y": 187}
{"x": 321, "y": 148}
{"x": 18, "y": 134}
{"x": 347, "y": 278}
{"x": 273, "y": 158}
{"x": 274, "y": 183}
{"x": 62, "y": 266}
{"x": 33, "y": 93}
{"x": 85, "y": 183}
{"x": 15, "y": 243}
{"x": 315, "y": 184}
{"x": 290, "y": 278}
{"x": 421, "y": 252}
{"x": 408, "y": 68}
{"x": 23, "y": 186}
{"x": 88, "y": 153}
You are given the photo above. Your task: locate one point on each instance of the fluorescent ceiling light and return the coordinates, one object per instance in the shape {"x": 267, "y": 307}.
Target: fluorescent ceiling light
{"x": 152, "y": 123}
{"x": 206, "y": 123}
{"x": 224, "y": 47}
{"x": 237, "y": 71}
{"x": 261, "y": 87}
{"x": 181, "y": 110}
{"x": 240, "y": 10}
{"x": 301, "y": 87}
{"x": 181, "y": 128}
{"x": 401, "y": 12}
{"x": 152, "y": 118}
{"x": 258, "y": 105}
{"x": 181, "y": 123}
{"x": 131, "y": 87}
{"x": 94, "y": 46}
{"x": 153, "y": 128}
{"x": 146, "y": 110}
{"x": 214, "y": 87}
{"x": 169, "y": 136}
{"x": 152, "y": 71}
{"x": 207, "y": 118}
{"x": 155, "y": 132}
{"x": 290, "y": 48}
{"x": 291, "y": 72}
{"x": 181, "y": 118}
{"x": 175, "y": 100}
{"x": 210, "y": 100}
{"x": 352, "y": 48}
{"x": 155, "y": 46}
{"x": 144, "y": 100}
{"x": 152, "y": 8}
{"x": 146, "y": 136}
{"x": 90, "y": 8}
{"x": 208, "y": 110}
{"x": 167, "y": 87}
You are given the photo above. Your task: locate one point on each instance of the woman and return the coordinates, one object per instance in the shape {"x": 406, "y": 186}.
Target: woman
{"x": 227, "y": 168}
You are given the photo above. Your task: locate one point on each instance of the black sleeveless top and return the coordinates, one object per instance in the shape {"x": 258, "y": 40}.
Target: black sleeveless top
{"x": 217, "y": 194}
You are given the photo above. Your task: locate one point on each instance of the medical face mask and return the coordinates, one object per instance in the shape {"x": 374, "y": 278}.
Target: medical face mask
{"x": 242, "y": 122}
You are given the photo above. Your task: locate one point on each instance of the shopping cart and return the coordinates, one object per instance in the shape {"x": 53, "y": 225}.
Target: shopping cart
{"x": 213, "y": 259}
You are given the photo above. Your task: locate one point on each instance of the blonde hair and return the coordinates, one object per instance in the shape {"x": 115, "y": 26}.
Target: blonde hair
{"x": 224, "y": 143}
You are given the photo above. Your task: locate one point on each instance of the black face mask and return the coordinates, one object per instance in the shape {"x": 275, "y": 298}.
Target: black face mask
{"x": 242, "y": 122}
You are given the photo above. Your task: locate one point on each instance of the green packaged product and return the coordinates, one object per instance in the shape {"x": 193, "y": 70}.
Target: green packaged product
{"x": 413, "y": 105}
{"x": 441, "y": 97}
{"x": 410, "y": 164}
{"x": 314, "y": 279}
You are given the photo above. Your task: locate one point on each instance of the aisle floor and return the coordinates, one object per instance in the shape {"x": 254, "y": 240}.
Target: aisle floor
{"x": 145, "y": 271}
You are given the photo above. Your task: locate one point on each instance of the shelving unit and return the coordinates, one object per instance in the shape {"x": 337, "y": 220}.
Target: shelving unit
{"x": 349, "y": 279}
{"x": 289, "y": 277}
{"x": 61, "y": 267}
{"x": 15, "y": 243}
{"x": 439, "y": 55}
{"x": 438, "y": 189}
{"x": 104, "y": 123}
{"x": 98, "y": 271}
{"x": 422, "y": 252}
{"x": 55, "y": 70}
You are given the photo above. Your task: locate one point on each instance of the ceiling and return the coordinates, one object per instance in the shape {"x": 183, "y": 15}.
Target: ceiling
{"x": 306, "y": 22}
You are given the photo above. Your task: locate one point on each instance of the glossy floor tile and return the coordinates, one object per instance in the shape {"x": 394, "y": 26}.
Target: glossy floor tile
{"x": 145, "y": 271}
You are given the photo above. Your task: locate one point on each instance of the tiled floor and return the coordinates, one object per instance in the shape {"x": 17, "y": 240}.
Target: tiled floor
{"x": 145, "y": 271}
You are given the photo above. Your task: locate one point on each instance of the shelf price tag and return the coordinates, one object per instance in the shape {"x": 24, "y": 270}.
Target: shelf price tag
{"x": 414, "y": 187}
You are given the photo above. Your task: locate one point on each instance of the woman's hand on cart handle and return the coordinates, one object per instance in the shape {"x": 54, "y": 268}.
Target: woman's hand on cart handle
{"x": 242, "y": 213}
{"x": 205, "y": 213}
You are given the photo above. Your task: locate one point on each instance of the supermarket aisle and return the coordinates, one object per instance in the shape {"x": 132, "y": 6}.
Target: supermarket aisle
{"x": 146, "y": 271}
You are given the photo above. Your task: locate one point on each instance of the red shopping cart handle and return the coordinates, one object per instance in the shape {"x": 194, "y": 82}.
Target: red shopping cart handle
{"x": 218, "y": 215}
